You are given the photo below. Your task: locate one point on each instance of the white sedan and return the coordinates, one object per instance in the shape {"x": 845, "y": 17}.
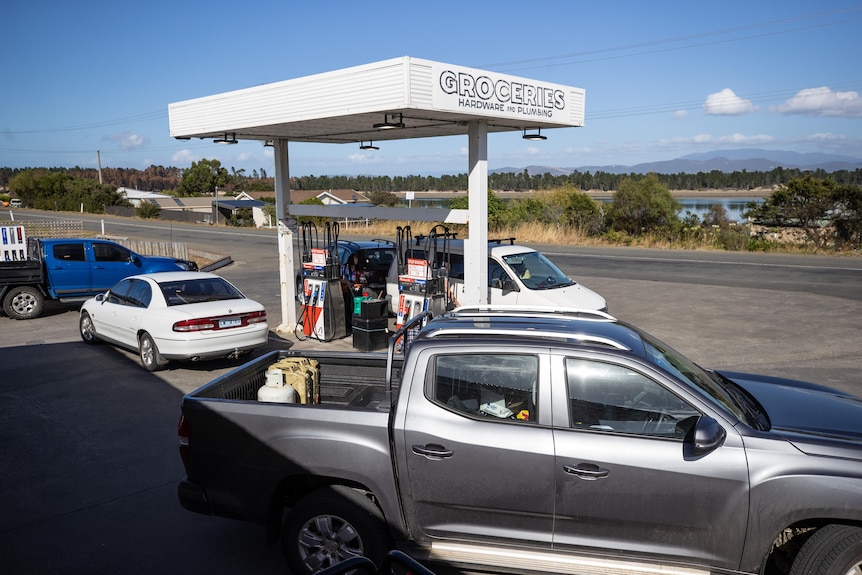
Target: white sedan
{"x": 175, "y": 315}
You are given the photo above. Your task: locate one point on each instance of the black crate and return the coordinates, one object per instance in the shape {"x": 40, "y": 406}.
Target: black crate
{"x": 369, "y": 339}
{"x": 375, "y": 324}
{"x": 372, "y": 309}
{"x": 370, "y": 334}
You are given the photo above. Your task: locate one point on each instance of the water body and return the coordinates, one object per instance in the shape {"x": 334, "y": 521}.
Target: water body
{"x": 734, "y": 207}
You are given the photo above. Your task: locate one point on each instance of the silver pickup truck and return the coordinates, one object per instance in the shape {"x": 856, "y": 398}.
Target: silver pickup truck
{"x": 531, "y": 441}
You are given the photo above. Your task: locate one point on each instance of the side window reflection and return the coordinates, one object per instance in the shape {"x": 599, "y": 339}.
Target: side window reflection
{"x": 495, "y": 386}
{"x": 613, "y": 398}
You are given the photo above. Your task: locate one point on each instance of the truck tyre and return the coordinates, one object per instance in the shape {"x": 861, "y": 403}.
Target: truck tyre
{"x": 23, "y": 302}
{"x": 832, "y": 550}
{"x": 331, "y": 525}
{"x": 150, "y": 357}
{"x": 87, "y": 329}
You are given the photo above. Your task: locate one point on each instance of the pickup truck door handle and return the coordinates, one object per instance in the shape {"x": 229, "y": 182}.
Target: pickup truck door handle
{"x": 433, "y": 451}
{"x": 588, "y": 471}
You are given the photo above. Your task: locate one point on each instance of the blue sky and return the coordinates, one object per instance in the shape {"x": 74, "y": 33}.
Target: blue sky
{"x": 663, "y": 79}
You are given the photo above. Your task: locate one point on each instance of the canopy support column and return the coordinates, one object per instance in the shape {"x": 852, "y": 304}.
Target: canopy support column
{"x": 476, "y": 246}
{"x": 286, "y": 264}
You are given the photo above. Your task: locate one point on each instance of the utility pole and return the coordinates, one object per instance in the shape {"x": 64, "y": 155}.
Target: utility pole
{"x": 99, "y": 161}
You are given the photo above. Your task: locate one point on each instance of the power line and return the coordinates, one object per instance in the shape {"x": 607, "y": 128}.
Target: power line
{"x": 583, "y": 57}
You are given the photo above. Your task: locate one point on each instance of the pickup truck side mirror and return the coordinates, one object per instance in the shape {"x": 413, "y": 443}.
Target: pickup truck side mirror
{"x": 706, "y": 437}
{"x": 509, "y": 286}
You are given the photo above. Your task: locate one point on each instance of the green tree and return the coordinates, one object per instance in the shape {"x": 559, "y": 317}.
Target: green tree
{"x": 383, "y": 198}
{"x": 848, "y": 216}
{"x": 496, "y": 208}
{"x": 50, "y": 190}
{"x": 203, "y": 178}
{"x": 643, "y": 206}
{"x": 817, "y": 206}
{"x": 148, "y": 211}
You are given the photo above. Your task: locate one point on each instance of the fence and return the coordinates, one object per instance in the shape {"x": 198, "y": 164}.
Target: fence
{"x": 50, "y": 228}
{"x": 147, "y": 248}
{"x": 75, "y": 229}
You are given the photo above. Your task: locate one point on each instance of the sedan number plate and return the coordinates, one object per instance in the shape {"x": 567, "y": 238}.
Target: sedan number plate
{"x": 223, "y": 323}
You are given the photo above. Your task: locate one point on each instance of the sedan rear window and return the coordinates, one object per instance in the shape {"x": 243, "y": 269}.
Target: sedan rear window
{"x": 198, "y": 290}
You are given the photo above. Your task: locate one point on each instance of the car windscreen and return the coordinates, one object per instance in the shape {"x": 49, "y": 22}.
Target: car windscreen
{"x": 675, "y": 363}
{"x": 537, "y": 271}
{"x": 182, "y": 292}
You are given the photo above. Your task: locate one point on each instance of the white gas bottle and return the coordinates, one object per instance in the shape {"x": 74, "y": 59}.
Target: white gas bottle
{"x": 274, "y": 389}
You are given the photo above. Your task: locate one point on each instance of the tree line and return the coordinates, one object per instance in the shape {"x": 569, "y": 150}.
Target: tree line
{"x": 827, "y": 210}
{"x": 169, "y": 179}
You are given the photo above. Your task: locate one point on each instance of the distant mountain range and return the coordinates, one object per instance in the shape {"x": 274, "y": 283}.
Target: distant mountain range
{"x": 750, "y": 159}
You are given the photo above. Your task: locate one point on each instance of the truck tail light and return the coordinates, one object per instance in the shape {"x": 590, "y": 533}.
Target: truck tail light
{"x": 220, "y": 322}
{"x": 184, "y": 431}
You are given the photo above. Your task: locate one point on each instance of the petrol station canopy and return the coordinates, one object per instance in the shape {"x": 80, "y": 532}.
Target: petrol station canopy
{"x": 392, "y": 99}
{"x": 426, "y": 98}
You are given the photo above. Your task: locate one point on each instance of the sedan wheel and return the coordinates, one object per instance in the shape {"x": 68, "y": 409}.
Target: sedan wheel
{"x": 88, "y": 331}
{"x": 150, "y": 358}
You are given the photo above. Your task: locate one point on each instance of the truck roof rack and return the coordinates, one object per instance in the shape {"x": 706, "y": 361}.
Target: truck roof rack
{"x": 573, "y": 325}
{"x": 533, "y": 311}
{"x": 476, "y": 331}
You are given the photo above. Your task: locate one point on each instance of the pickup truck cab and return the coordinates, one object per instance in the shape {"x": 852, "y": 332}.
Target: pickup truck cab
{"x": 517, "y": 275}
{"x": 71, "y": 270}
{"x": 535, "y": 441}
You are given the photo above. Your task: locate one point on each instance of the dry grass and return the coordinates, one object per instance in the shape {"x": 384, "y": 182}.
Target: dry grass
{"x": 543, "y": 234}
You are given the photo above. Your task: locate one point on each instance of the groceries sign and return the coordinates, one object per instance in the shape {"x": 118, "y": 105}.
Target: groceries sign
{"x": 478, "y": 91}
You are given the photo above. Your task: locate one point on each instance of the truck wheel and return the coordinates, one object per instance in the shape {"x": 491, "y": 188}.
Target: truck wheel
{"x": 832, "y": 550}
{"x": 331, "y": 525}
{"x": 150, "y": 357}
{"x": 87, "y": 329}
{"x": 23, "y": 302}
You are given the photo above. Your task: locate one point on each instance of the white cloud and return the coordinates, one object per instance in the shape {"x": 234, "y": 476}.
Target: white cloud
{"x": 711, "y": 140}
{"x": 184, "y": 157}
{"x": 244, "y": 157}
{"x": 362, "y": 159}
{"x": 680, "y": 115}
{"x": 823, "y": 102}
{"x": 727, "y": 103}
{"x": 128, "y": 141}
{"x": 533, "y": 151}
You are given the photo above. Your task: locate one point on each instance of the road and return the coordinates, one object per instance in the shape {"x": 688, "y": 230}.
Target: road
{"x": 780, "y": 314}
{"x": 89, "y": 452}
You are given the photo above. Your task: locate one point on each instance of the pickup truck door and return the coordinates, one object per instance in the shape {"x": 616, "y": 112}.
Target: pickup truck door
{"x": 625, "y": 483}
{"x": 111, "y": 263}
{"x": 69, "y": 272}
{"x": 479, "y": 465}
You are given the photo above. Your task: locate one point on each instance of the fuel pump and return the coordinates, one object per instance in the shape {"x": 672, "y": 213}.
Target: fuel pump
{"x": 422, "y": 281}
{"x": 323, "y": 314}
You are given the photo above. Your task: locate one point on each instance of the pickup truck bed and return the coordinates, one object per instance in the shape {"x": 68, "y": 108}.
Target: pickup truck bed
{"x": 345, "y": 379}
{"x": 20, "y": 272}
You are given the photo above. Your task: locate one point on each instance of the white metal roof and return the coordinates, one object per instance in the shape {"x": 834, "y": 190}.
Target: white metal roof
{"x": 342, "y": 106}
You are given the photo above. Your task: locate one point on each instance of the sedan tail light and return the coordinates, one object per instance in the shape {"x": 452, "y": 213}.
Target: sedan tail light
{"x": 220, "y": 322}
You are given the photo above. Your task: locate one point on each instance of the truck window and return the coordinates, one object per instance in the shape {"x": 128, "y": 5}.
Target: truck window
{"x": 110, "y": 253}
{"x": 69, "y": 252}
{"x": 614, "y": 398}
{"x": 494, "y": 386}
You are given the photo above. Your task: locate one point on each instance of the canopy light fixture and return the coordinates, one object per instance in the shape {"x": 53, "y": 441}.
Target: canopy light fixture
{"x": 183, "y": 138}
{"x": 534, "y": 136}
{"x": 227, "y": 140}
{"x": 368, "y": 146}
{"x": 388, "y": 124}
{"x": 268, "y": 144}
